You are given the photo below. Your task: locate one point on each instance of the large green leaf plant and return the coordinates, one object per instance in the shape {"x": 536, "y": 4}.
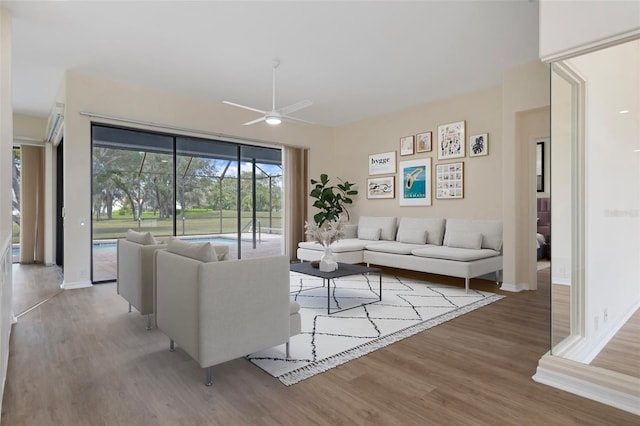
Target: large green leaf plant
{"x": 331, "y": 199}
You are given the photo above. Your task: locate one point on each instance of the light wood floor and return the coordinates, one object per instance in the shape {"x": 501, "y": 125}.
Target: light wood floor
{"x": 81, "y": 359}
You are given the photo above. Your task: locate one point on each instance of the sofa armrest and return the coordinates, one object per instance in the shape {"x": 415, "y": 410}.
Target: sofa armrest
{"x": 135, "y": 273}
{"x": 177, "y": 299}
{"x": 243, "y": 307}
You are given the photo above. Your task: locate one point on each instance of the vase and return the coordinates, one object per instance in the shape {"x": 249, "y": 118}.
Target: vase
{"x": 328, "y": 261}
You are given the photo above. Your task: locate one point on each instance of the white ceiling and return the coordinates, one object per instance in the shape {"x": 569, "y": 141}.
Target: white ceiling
{"x": 353, "y": 59}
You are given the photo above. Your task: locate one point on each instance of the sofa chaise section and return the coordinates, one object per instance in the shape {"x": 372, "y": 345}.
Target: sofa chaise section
{"x": 350, "y": 249}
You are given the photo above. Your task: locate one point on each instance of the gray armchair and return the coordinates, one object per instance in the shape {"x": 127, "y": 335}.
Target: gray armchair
{"x": 219, "y": 311}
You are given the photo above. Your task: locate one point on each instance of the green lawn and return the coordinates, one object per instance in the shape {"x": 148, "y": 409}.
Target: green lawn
{"x": 194, "y": 224}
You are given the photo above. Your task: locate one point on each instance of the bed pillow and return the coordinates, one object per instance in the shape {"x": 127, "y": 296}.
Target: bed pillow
{"x": 468, "y": 240}
{"x": 144, "y": 238}
{"x": 369, "y": 234}
{"x": 204, "y": 252}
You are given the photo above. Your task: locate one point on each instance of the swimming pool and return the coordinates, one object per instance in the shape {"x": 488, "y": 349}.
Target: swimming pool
{"x": 111, "y": 244}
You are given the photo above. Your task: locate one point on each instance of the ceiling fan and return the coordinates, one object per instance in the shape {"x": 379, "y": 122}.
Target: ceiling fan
{"x": 275, "y": 116}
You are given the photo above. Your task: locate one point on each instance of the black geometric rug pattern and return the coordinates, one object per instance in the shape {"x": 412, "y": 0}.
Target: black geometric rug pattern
{"x": 362, "y": 323}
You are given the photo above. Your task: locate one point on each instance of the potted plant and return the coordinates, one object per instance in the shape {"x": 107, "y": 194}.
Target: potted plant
{"x": 328, "y": 225}
{"x": 331, "y": 199}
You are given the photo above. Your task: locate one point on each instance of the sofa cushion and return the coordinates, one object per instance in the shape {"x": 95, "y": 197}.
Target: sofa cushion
{"x": 387, "y": 226}
{"x": 468, "y": 240}
{"x": 144, "y": 238}
{"x": 350, "y": 230}
{"x": 412, "y": 236}
{"x": 414, "y": 227}
{"x": 453, "y": 253}
{"x": 369, "y": 233}
{"x": 342, "y": 246}
{"x": 393, "y": 247}
{"x": 204, "y": 252}
{"x": 491, "y": 231}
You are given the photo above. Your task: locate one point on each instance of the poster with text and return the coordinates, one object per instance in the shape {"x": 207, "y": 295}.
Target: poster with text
{"x": 416, "y": 182}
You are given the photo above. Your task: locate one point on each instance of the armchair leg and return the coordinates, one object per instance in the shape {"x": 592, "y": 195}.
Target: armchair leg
{"x": 171, "y": 346}
{"x": 129, "y": 307}
{"x": 148, "y": 321}
{"x": 288, "y": 347}
{"x": 466, "y": 284}
{"x": 208, "y": 381}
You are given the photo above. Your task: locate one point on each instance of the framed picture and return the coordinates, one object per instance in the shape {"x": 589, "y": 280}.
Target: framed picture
{"x": 382, "y": 164}
{"x": 416, "y": 182}
{"x": 479, "y": 145}
{"x": 540, "y": 166}
{"x": 451, "y": 140}
{"x": 450, "y": 180}
{"x": 406, "y": 145}
{"x": 423, "y": 142}
{"x": 381, "y": 187}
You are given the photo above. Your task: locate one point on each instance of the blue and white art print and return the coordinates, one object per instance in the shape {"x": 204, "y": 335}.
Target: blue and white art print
{"x": 416, "y": 182}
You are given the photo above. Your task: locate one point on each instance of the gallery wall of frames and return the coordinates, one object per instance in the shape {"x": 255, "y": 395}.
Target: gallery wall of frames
{"x": 417, "y": 181}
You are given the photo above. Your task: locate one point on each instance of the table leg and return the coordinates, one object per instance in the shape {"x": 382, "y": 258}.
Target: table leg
{"x": 328, "y": 297}
{"x": 380, "y": 276}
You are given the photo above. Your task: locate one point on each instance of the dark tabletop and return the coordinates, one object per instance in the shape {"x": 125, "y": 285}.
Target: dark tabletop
{"x": 343, "y": 270}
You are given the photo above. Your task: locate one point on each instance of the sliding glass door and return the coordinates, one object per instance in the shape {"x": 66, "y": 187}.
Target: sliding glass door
{"x": 193, "y": 188}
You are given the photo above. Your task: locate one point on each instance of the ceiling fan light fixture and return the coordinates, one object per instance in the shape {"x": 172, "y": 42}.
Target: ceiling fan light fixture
{"x": 274, "y": 121}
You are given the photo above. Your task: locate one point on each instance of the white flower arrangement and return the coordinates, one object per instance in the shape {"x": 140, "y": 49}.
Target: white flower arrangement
{"x": 330, "y": 231}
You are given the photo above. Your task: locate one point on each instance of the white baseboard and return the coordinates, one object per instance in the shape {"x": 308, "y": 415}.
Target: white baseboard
{"x": 591, "y": 351}
{"x": 605, "y": 386}
{"x": 515, "y": 288}
{"x": 75, "y": 285}
{"x": 561, "y": 281}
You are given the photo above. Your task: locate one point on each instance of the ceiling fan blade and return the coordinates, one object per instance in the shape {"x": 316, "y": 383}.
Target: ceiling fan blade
{"x": 296, "y": 120}
{"x": 244, "y": 107}
{"x": 257, "y": 120}
{"x": 295, "y": 107}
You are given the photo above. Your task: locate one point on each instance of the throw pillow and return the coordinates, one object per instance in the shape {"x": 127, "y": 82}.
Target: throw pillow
{"x": 459, "y": 239}
{"x": 469, "y": 240}
{"x": 369, "y": 234}
{"x": 412, "y": 236}
{"x": 203, "y": 252}
{"x": 144, "y": 238}
{"x": 350, "y": 230}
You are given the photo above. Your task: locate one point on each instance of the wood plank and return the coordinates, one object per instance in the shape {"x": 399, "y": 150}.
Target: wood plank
{"x": 82, "y": 359}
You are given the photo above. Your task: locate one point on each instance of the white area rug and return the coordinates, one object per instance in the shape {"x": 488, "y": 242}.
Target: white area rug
{"x": 408, "y": 307}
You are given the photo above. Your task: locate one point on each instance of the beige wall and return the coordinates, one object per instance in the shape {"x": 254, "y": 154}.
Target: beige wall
{"x": 341, "y": 152}
{"x": 26, "y": 126}
{"x": 525, "y": 89}
{"x": 89, "y": 94}
{"x": 530, "y": 126}
{"x": 482, "y": 193}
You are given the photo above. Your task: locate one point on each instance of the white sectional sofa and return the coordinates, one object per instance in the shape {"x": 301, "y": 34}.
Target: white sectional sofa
{"x": 461, "y": 248}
